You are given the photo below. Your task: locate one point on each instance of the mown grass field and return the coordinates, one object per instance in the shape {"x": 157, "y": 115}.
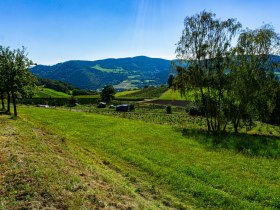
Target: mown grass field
{"x": 90, "y": 159}
{"x": 149, "y": 92}
{"x": 156, "y": 114}
{"x": 47, "y": 93}
{"x": 42, "y": 170}
{"x": 171, "y": 94}
{"x": 88, "y": 96}
{"x": 127, "y": 92}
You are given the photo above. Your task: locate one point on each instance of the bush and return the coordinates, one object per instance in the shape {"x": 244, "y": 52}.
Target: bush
{"x": 195, "y": 111}
{"x": 72, "y": 101}
{"x": 108, "y": 93}
{"x": 131, "y": 107}
{"x": 168, "y": 109}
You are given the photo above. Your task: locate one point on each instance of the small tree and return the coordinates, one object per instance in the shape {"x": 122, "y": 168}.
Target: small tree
{"x": 17, "y": 79}
{"x": 108, "y": 93}
{"x": 168, "y": 109}
{"x": 72, "y": 101}
{"x": 131, "y": 107}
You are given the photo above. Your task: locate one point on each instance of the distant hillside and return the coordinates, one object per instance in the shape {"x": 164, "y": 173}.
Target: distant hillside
{"x": 56, "y": 85}
{"x": 124, "y": 73}
{"x": 49, "y": 93}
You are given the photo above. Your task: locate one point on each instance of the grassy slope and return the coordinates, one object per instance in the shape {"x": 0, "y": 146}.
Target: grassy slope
{"x": 39, "y": 169}
{"x": 175, "y": 95}
{"x": 47, "y": 92}
{"x": 150, "y": 92}
{"x": 124, "y": 93}
{"x": 88, "y": 96}
{"x": 157, "y": 161}
{"x": 118, "y": 94}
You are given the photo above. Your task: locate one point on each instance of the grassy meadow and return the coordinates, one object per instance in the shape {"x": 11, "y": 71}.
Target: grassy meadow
{"x": 85, "y": 160}
{"x": 148, "y": 93}
{"x": 47, "y": 93}
{"x": 126, "y": 92}
{"x": 171, "y": 94}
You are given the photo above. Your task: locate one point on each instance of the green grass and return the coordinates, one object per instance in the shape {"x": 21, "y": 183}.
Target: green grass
{"x": 41, "y": 170}
{"x": 150, "y": 92}
{"x": 118, "y": 94}
{"x": 159, "y": 164}
{"x": 170, "y": 94}
{"x": 118, "y": 70}
{"x": 180, "y": 119}
{"x": 88, "y": 96}
{"x": 47, "y": 93}
{"x": 124, "y": 93}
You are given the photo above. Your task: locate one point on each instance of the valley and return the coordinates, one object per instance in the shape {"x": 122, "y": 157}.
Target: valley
{"x": 123, "y": 73}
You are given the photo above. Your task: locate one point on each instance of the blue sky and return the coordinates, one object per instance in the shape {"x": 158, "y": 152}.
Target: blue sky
{"x": 59, "y": 30}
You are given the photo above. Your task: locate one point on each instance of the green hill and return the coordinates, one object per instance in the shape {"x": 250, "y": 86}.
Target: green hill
{"x": 171, "y": 94}
{"x": 73, "y": 160}
{"x": 127, "y": 92}
{"x": 147, "y": 93}
{"x": 123, "y": 73}
{"x": 49, "y": 93}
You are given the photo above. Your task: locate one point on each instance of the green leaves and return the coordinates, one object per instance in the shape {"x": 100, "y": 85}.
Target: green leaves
{"x": 15, "y": 78}
{"x": 234, "y": 82}
{"x": 108, "y": 93}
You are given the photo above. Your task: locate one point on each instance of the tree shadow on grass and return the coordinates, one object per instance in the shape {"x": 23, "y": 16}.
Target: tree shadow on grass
{"x": 3, "y": 112}
{"x": 252, "y": 145}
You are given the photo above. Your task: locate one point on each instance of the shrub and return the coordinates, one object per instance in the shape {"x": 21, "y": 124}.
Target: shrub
{"x": 131, "y": 107}
{"x": 195, "y": 111}
{"x": 168, "y": 109}
{"x": 72, "y": 101}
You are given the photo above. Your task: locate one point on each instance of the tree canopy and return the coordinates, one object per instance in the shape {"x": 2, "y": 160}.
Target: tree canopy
{"x": 232, "y": 83}
{"x": 15, "y": 78}
{"x": 108, "y": 93}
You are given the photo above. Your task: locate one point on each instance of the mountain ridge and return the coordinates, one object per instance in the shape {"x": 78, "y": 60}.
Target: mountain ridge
{"x": 124, "y": 73}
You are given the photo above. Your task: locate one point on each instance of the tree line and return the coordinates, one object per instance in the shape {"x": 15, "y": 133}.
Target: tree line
{"x": 15, "y": 78}
{"x": 63, "y": 87}
{"x": 234, "y": 83}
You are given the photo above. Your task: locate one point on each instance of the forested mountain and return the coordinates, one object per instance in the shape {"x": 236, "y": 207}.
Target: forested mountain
{"x": 123, "y": 73}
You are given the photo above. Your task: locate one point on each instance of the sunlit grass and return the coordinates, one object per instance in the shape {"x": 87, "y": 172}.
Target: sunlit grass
{"x": 191, "y": 170}
{"x": 171, "y": 94}
{"x": 47, "y": 92}
{"x": 123, "y": 93}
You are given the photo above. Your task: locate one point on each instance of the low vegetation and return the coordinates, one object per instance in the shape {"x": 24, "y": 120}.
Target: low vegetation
{"x": 157, "y": 168}
{"x": 126, "y": 92}
{"x": 42, "y": 170}
{"x": 172, "y": 94}
{"x": 49, "y": 93}
{"x": 58, "y": 86}
{"x": 148, "y": 92}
